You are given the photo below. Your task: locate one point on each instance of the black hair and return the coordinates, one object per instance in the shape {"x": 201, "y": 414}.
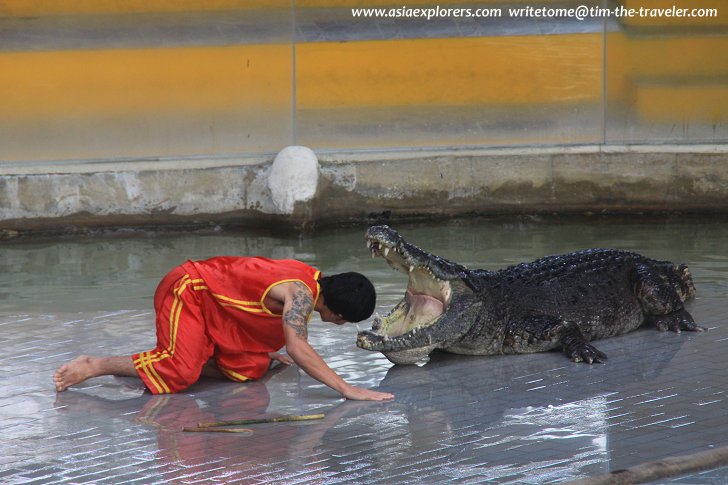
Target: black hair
{"x": 350, "y": 295}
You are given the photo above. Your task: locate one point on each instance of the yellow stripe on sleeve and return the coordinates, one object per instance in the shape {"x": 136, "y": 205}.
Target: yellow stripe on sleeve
{"x": 265, "y": 293}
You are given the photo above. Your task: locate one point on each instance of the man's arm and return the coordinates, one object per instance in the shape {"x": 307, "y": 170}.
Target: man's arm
{"x": 297, "y": 307}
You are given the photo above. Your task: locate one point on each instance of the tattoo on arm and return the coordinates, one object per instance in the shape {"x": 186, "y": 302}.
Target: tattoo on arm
{"x": 301, "y": 307}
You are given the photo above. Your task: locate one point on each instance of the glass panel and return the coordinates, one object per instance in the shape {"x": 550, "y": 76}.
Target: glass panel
{"x": 504, "y": 78}
{"x": 96, "y": 80}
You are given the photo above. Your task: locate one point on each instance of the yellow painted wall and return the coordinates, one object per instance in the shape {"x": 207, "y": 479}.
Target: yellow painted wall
{"x": 655, "y": 78}
{"x": 497, "y": 71}
{"x": 125, "y": 81}
{"x": 481, "y": 70}
{"x": 669, "y": 78}
{"x": 489, "y": 71}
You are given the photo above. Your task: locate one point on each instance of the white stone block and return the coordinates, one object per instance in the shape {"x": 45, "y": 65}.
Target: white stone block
{"x": 293, "y": 177}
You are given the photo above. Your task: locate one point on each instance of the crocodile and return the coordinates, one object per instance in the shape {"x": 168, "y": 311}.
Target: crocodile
{"x": 563, "y": 301}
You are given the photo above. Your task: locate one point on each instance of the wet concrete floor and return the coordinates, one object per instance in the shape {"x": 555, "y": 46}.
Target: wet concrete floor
{"x": 527, "y": 419}
{"x": 516, "y": 419}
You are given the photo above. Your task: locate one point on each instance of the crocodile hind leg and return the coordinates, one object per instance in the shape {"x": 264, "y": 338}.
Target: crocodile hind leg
{"x": 675, "y": 321}
{"x": 661, "y": 303}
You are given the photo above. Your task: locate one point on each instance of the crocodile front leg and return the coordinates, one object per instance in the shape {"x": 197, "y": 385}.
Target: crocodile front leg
{"x": 547, "y": 331}
{"x": 575, "y": 345}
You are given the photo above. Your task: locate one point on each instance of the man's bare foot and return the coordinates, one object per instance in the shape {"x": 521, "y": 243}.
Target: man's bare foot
{"x": 78, "y": 370}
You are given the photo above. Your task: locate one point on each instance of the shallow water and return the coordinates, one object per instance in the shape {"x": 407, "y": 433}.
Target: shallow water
{"x": 121, "y": 272}
{"x": 535, "y": 418}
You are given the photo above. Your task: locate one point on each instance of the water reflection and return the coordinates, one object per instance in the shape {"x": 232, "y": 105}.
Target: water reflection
{"x": 511, "y": 419}
{"x": 556, "y": 413}
{"x": 289, "y": 445}
{"x": 121, "y": 272}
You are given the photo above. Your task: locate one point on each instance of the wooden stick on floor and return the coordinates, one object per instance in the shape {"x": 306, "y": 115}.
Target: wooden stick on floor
{"x": 279, "y": 419}
{"x": 217, "y": 430}
{"x": 667, "y": 467}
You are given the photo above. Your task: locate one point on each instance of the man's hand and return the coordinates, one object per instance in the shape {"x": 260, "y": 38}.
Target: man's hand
{"x": 282, "y": 358}
{"x": 360, "y": 394}
{"x": 298, "y": 305}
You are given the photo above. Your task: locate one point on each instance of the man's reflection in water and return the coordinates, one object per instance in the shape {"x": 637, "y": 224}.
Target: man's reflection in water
{"x": 169, "y": 414}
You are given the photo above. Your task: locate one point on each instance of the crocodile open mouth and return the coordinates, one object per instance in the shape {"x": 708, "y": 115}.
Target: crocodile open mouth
{"x": 436, "y": 293}
{"x": 426, "y": 298}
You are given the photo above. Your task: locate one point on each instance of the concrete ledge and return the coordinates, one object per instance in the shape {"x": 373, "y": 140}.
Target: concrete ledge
{"x": 356, "y": 186}
{"x": 561, "y": 179}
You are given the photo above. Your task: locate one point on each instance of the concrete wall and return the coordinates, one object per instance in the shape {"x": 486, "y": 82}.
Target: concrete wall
{"x": 162, "y": 112}
{"x": 358, "y": 187}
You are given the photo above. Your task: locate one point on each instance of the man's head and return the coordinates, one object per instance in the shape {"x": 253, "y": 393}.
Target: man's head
{"x": 350, "y": 295}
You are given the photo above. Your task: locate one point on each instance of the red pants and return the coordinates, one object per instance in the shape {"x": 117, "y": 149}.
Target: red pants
{"x": 183, "y": 344}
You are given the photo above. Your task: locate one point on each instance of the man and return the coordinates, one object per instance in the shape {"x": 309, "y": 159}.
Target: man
{"x": 229, "y": 316}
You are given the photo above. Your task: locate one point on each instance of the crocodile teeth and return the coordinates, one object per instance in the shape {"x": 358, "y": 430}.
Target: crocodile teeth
{"x": 386, "y": 251}
{"x": 369, "y": 244}
{"x": 411, "y": 269}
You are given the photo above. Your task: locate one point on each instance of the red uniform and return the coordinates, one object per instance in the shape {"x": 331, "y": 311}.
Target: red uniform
{"x": 215, "y": 309}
